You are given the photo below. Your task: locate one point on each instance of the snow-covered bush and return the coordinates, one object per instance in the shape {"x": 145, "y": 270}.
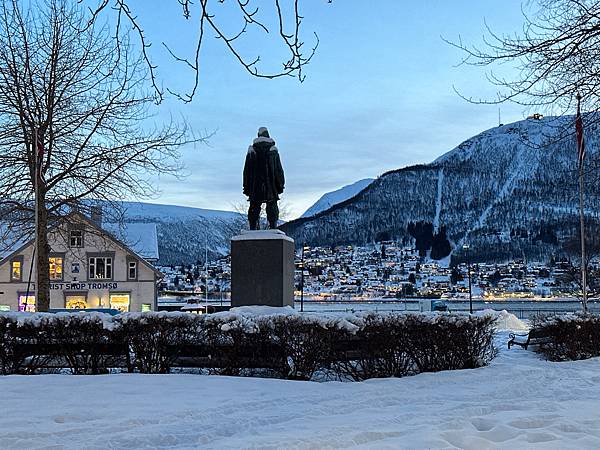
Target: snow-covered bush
{"x": 79, "y": 342}
{"x": 15, "y": 336}
{"x": 83, "y": 342}
{"x": 262, "y": 341}
{"x": 376, "y": 350}
{"x": 570, "y": 337}
{"x": 307, "y": 342}
{"x": 156, "y": 339}
{"x": 399, "y": 344}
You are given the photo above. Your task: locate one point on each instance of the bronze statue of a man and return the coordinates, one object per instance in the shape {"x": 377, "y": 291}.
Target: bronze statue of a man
{"x": 263, "y": 179}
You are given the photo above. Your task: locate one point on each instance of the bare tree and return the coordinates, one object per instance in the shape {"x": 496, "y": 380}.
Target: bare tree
{"x": 73, "y": 116}
{"x": 283, "y": 20}
{"x": 572, "y": 247}
{"x": 555, "y": 56}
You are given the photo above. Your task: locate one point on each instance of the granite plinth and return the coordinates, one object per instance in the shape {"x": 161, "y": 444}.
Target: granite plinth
{"x": 262, "y": 269}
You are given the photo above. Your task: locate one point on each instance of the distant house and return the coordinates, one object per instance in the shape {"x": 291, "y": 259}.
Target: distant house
{"x": 91, "y": 266}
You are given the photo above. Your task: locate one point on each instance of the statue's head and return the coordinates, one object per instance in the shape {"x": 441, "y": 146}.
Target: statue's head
{"x": 263, "y": 132}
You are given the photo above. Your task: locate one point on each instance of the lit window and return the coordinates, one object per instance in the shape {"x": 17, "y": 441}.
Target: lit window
{"x": 27, "y": 303}
{"x": 100, "y": 268}
{"x": 56, "y": 267}
{"x": 76, "y": 302}
{"x": 132, "y": 270}
{"x": 4, "y": 308}
{"x": 16, "y": 267}
{"x": 120, "y": 302}
{"x": 76, "y": 238}
{"x": 146, "y": 307}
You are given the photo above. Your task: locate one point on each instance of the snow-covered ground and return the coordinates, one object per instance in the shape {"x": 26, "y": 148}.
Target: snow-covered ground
{"x": 519, "y": 401}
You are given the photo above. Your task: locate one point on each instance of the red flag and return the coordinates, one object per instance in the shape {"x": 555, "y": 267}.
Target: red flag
{"x": 579, "y": 128}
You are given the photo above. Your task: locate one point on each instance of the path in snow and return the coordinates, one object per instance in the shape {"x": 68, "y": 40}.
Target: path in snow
{"x": 438, "y": 201}
{"x": 519, "y": 401}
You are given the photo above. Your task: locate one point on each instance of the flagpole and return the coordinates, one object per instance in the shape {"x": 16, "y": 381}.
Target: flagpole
{"x": 581, "y": 154}
{"x": 36, "y": 212}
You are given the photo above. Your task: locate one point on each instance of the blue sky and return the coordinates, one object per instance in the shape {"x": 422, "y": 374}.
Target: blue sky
{"x": 378, "y": 95}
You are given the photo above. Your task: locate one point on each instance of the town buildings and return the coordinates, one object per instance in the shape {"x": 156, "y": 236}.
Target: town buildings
{"x": 92, "y": 265}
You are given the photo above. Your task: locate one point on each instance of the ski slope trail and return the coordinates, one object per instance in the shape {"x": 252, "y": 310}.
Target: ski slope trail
{"x": 523, "y": 165}
{"x": 438, "y": 201}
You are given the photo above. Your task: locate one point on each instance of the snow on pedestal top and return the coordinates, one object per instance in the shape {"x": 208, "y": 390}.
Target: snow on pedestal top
{"x": 261, "y": 235}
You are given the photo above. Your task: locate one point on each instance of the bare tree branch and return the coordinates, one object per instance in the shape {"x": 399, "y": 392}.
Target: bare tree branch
{"x": 287, "y": 20}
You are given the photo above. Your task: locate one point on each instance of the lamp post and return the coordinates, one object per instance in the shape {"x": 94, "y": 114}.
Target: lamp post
{"x": 466, "y": 249}
{"x": 302, "y": 278}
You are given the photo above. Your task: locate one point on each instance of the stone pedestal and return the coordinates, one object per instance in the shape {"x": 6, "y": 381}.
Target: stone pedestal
{"x": 262, "y": 269}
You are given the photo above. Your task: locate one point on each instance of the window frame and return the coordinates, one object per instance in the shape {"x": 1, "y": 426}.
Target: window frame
{"x": 20, "y": 259}
{"x": 82, "y": 237}
{"x": 96, "y": 256}
{"x": 67, "y": 294}
{"x": 131, "y": 260}
{"x": 25, "y": 309}
{"x": 62, "y": 272}
{"x": 118, "y": 294}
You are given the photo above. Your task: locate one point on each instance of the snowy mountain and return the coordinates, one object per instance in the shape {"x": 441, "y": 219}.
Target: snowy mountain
{"x": 509, "y": 192}
{"x": 184, "y": 233}
{"x": 333, "y": 198}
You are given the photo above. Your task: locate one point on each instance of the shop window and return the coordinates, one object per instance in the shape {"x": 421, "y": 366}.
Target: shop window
{"x": 76, "y": 302}
{"x": 100, "y": 268}
{"x": 120, "y": 302}
{"x": 76, "y": 238}
{"x": 27, "y": 303}
{"x": 16, "y": 269}
{"x": 56, "y": 267}
{"x": 146, "y": 307}
{"x": 132, "y": 270}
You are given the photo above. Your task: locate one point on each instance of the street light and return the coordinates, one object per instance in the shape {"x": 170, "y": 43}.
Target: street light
{"x": 304, "y": 248}
{"x": 466, "y": 249}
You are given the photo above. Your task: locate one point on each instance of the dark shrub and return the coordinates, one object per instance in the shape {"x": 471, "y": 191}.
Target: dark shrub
{"x": 83, "y": 342}
{"x": 376, "y": 350}
{"x": 273, "y": 342}
{"x": 449, "y": 341}
{"x": 306, "y": 342}
{"x": 21, "y": 339}
{"x": 396, "y": 345}
{"x": 156, "y": 338}
{"x": 571, "y": 337}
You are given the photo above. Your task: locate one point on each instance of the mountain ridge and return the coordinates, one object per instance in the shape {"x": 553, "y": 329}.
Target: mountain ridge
{"x": 518, "y": 175}
{"x": 332, "y": 198}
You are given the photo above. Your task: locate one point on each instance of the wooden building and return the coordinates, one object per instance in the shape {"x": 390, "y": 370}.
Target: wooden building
{"x": 92, "y": 265}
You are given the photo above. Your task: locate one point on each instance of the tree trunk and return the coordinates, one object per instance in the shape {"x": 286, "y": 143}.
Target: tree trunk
{"x": 42, "y": 251}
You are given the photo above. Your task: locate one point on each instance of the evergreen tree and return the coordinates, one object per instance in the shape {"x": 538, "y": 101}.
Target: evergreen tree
{"x": 440, "y": 247}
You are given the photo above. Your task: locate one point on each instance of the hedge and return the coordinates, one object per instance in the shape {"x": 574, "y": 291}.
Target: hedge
{"x": 571, "y": 337}
{"x": 275, "y": 342}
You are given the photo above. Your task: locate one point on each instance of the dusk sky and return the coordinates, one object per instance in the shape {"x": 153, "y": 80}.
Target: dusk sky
{"x": 378, "y": 96}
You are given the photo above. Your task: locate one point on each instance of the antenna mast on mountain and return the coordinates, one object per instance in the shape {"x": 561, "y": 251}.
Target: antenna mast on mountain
{"x": 499, "y": 121}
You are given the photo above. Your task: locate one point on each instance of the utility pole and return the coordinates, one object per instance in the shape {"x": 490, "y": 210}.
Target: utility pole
{"x": 581, "y": 157}
{"x": 36, "y": 185}
{"x": 302, "y": 280}
{"x": 206, "y": 270}
{"x": 466, "y": 249}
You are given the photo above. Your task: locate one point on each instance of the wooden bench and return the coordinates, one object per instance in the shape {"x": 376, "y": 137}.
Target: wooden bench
{"x": 535, "y": 336}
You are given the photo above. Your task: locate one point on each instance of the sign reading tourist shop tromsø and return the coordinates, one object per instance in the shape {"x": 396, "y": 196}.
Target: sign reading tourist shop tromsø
{"x": 84, "y": 285}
